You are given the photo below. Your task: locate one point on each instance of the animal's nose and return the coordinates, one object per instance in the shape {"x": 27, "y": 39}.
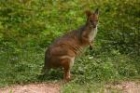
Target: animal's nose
{"x": 94, "y": 25}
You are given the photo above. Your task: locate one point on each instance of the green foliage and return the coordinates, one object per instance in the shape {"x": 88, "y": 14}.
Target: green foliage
{"x": 119, "y": 27}
{"x": 27, "y": 27}
{"x": 86, "y": 88}
{"x": 39, "y": 22}
{"x": 104, "y": 67}
{"x": 90, "y": 87}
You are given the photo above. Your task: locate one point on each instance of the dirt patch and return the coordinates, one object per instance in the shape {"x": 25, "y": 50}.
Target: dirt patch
{"x": 119, "y": 87}
{"x": 32, "y": 88}
{"x": 124, "y": 87}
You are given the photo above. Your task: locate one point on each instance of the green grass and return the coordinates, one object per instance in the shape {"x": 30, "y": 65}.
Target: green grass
{"x": 25, "y": 65}
{"x": 83, "y": 88}
{"x": 20, "y": 68}
{"x": 90, "y": 87}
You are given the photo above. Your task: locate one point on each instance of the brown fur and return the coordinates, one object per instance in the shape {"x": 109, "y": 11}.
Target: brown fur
{"x": 62, "y": 52}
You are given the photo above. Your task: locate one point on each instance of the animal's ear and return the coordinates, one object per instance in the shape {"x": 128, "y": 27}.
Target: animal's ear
{"x": 88, "y": 13}
{"x": 96, "y": 11}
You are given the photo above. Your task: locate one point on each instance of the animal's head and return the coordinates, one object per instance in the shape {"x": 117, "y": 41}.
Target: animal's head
{"x": 92, "y": 18}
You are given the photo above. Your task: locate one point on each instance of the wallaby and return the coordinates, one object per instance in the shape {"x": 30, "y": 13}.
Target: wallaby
{"x": 62, "y": 52}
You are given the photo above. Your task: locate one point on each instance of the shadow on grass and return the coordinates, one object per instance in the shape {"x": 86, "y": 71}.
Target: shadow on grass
{"x": 52, "y": 75}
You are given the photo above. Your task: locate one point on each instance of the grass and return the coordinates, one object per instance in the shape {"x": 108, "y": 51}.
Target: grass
{"x": 24, "y": 66}
{"x": 20, "y": 67}
{"x": 82, "y": 88}
{"x": 92, "y": 87}
{"x": 91, "y": 72}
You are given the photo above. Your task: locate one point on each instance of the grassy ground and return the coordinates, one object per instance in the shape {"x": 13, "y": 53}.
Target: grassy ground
{"x": 121, "y": 86}
{"x": 24, "y": 66}
{"x": 20, "y": 67}
{"x": 86, "y": 88}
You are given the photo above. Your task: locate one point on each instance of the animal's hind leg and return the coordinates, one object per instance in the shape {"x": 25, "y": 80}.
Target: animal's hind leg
{"x": 66, "y": 66}
{"x": 67, "y": 74}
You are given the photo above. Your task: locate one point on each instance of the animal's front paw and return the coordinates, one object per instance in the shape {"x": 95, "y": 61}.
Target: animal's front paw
{"x": 67, "y": 79}
{"x": 90, "y": 47}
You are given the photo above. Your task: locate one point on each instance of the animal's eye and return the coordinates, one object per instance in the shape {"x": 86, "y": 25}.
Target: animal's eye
{"x": 90, "y": 21}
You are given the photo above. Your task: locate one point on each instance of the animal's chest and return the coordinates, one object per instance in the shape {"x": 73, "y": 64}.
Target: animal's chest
{"x": 92, "y": 34}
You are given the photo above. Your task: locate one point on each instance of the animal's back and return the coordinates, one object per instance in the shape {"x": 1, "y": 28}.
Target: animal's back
{"x": 67, "y": 45}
